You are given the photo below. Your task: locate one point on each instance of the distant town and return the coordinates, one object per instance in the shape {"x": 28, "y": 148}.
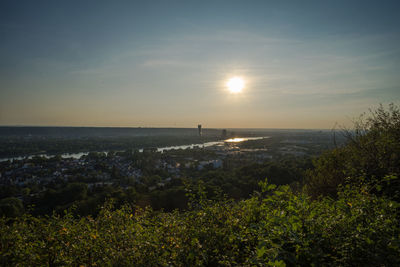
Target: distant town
{"x": 150, "y": 169}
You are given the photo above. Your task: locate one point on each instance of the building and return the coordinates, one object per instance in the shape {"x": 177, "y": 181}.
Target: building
{"x": 224, "y": 133}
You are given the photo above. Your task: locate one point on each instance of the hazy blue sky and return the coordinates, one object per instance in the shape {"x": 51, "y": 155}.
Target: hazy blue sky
{"x": 307, "y": 64}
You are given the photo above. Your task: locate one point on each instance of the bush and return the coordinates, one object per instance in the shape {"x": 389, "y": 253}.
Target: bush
{"x": 275, "y": 227}
{"x": 11, "y": 207}
{"x": 372, "y": 152}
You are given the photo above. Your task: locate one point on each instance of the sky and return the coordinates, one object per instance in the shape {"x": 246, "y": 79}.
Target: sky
{"x": 306, "y": 64}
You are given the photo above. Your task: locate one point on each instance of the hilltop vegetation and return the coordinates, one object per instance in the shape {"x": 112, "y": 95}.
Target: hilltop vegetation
{"x": 276, "y": 227}
{"x": 370, "y": 156}
{"x": 345, "y": 212}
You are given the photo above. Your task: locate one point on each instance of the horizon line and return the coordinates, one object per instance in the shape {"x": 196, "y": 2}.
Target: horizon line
{"x": 165, "y": 127}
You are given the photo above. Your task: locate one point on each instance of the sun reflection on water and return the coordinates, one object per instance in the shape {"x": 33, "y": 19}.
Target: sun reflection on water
{"x": 235, "y": 140}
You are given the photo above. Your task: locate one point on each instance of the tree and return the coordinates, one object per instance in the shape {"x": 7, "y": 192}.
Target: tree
{"x": 370, "y": 155}
{"x": 11, "y": 207}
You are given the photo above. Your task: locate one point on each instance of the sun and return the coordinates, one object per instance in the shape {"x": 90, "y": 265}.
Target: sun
{"x": 235, "y": 85}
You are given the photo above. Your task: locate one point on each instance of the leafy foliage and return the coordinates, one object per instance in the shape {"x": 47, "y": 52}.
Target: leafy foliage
{"x": 11, "y": 207}
{"x": 372, "y": 152}
{"x": 274, "y": 227}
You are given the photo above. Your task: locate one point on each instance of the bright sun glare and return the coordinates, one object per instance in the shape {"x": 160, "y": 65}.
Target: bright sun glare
{"x": 235, "y": 85}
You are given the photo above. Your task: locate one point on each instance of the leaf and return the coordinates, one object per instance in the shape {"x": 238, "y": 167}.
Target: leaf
{"x": 260, "y": 252}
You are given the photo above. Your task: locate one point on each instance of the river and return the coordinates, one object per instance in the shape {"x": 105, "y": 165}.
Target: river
{"x": 159, "y": 149}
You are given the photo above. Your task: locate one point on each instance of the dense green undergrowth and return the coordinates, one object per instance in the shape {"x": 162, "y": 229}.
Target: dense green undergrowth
{"x": 275, "y": 227}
